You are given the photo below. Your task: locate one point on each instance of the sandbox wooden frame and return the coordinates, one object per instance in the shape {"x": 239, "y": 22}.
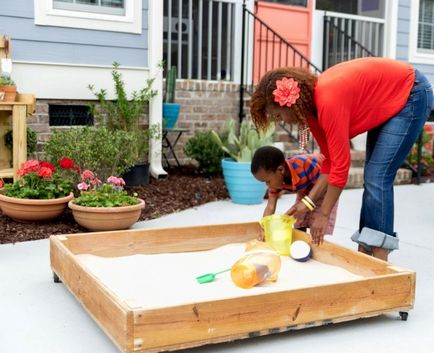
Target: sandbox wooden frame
{"x": 384, "y": 288}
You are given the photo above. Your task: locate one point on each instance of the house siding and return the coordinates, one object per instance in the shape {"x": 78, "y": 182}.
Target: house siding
{"x": 402, "y": 43}
{"x": 48, "y": 44}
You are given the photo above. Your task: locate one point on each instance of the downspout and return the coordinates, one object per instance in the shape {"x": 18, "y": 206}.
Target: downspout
{"x": 155, "y": 40}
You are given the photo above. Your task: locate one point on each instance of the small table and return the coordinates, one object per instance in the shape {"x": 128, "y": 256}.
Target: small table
{"x": 169, "y": 146}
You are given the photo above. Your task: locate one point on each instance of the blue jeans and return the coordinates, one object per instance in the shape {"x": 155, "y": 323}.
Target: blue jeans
{"x": 386, "y": 149}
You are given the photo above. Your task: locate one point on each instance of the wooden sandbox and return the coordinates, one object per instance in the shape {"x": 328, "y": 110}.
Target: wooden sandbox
{"x": 380, "y": 288}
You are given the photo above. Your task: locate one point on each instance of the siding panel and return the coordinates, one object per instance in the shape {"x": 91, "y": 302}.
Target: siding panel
{"x": 70, "y": 45}
{"x": 78, "y": 54}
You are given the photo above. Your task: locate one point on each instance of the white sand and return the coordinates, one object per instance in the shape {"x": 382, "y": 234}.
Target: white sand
{"x": 164, "y": 280}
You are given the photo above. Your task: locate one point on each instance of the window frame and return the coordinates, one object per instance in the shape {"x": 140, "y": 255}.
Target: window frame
{"x": 416, "y": 55}
{"x": 131, "y": 22}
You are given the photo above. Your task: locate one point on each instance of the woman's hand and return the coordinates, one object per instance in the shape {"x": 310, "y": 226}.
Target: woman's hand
{"x": 297, "y": 210}
{"x": 318, "y": 227}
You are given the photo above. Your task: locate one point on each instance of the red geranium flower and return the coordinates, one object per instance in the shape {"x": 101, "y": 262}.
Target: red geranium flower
{"x": 66, "y": 163}
{"x": 46, "y": 164}
{"x": 45, "y": 172}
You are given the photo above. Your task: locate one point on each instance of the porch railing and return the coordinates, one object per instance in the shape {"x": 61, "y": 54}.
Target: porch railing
{"x": 348, "y": 37}
{"x": 198, "y": 38}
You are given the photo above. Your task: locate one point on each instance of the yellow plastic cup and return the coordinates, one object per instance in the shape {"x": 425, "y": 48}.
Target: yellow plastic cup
{"x": 278, "y": 232}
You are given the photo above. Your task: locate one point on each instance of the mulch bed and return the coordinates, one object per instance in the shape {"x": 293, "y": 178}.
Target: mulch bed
{"x": 182, "y": 189}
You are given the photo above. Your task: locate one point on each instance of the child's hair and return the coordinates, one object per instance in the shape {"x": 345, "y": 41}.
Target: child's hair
{"x": 263, "y": 95}
{"x": 268, "y": 158}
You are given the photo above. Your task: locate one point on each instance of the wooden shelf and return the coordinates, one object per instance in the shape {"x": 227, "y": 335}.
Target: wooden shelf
{"x": 7, "y": 173}
{"x": 14, "y": 114}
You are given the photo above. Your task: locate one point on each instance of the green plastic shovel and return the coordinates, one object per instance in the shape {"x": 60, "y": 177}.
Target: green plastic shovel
{"x": 209, "y": 277}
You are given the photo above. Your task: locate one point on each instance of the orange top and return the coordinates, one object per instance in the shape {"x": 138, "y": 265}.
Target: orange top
{"x": 351, "y": 98}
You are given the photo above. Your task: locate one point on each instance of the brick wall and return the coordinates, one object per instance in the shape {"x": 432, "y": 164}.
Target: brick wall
{"x": 205, "y": 105}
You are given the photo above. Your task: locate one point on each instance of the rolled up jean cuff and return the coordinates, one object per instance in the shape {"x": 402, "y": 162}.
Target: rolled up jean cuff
{"x": 369, "y": 237}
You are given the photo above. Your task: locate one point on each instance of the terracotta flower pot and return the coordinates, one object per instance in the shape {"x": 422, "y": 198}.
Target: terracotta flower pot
{"x": 106, "y": 218}
{"x": 10, "y": 92}
{"x": 33, "y": 210}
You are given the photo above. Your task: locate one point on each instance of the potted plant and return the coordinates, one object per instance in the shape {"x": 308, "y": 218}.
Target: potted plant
{"x": 8, "y": 89}
{"x": 41, "y": 193}
{"x": 126, "y": 114}
{"x": 170, "y": 108}
{"x": 105, "y": 206}
{"x": 242, "y": 186}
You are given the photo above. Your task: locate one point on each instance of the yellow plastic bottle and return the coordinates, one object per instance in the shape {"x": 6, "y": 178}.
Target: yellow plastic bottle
{"x": 260, "y": 263}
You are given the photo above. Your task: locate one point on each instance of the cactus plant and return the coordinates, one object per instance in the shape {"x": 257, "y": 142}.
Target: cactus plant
{"x": 170, "y": 85}
{"x": 242, "y": 147}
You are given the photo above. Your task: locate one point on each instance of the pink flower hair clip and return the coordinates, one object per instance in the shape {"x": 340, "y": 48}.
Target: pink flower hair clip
{"x": 287, "y": 92}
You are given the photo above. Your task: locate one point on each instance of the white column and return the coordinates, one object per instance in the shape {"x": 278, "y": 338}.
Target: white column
{"x": 155, "y": 57}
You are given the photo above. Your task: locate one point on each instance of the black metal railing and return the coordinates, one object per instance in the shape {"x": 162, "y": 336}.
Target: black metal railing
{"x": 342, "y": 40}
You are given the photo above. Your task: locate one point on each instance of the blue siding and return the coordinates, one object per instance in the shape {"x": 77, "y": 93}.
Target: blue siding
{"x": 70, "y": 45}
{"x": 403, "y": 34}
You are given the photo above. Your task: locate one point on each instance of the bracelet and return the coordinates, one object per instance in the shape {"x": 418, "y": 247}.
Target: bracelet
{"x": 307, "y": 204}
{"x": 308, "y": 199}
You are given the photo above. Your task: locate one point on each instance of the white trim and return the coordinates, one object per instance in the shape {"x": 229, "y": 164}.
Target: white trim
{"x": 354, "y": 17}
{"x": 317, "y": 38}
{"x": 66, "y": 81}
{"x": 155, "y": 57}
{"x": 131, "y": 22}
{"x": 391, "y": 29}
{"x": 413, "y": 55}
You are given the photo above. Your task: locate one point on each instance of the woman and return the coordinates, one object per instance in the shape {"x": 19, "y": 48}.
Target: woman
{"x": 388, "y": 99}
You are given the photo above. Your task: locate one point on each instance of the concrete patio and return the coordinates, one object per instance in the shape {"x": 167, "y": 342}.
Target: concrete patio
{"x": 40, "y": 316}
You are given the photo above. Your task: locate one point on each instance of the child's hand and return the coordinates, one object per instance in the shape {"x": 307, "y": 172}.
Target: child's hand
{"x": 297, "y": 210}
{"x": 261, "y": 236}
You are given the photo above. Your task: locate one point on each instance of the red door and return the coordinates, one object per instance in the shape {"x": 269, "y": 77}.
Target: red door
{"x": 293, "y": 23}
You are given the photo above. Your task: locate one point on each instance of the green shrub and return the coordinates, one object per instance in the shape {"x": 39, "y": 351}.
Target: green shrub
{"x": 206, "y": 151}
{"x": 99, "y": 149}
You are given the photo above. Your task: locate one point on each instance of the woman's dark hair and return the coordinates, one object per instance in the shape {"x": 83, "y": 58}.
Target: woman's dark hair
{"x": 268, "y": 158}
{"x": 263, "y": 95}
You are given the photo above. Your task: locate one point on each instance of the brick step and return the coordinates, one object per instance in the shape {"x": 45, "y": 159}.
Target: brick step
{"x": 355, "y": 179}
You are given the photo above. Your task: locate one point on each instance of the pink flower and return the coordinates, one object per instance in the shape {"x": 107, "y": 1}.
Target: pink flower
{"x": 287, "y": 92}
{"x": 30, "y": 166}
{"x": 116, "y": 181}
{"x": 82, "y": 186}
{"x": 87, "y": 174}
{"x": 95, "y": 181}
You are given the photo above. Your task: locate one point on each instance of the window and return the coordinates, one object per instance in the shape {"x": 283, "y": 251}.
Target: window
{"x": 69, "y": 115}
{"x": 105, "y": 15}
{"x": 290, "y": 2}
{"x": 111, "y": 7}
{"x": 425, "y": 33}
{"x": 421, "y": 36}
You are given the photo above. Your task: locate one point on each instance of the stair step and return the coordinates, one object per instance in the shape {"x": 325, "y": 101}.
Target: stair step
{"x": 355, "y": 179}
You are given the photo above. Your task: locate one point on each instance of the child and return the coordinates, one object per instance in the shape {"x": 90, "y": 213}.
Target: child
{"x": 296, "y": 174}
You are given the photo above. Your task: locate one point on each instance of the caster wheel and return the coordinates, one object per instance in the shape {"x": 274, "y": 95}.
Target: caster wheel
{"x": 403, "y": 315}
{"x": 56, "y": 278}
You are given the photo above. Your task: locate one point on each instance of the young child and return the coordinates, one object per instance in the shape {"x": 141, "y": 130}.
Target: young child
{"x": 296, "y": 174}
